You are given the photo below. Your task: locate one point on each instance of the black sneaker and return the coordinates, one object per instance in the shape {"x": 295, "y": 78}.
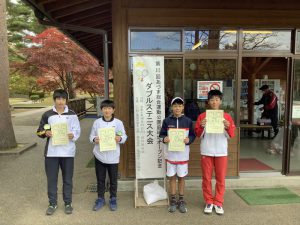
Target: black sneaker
{"x": 51, "y": 209}
{"x": 172, "y": 206}
{"x": 182, "y": 206}
{"x": 68, "y": 209}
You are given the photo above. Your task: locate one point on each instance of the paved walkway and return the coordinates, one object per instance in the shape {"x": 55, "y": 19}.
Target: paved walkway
{"x": 24, "y": 198}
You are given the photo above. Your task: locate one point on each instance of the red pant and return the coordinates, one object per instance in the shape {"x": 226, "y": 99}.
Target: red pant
{"x": 219, "y": 165}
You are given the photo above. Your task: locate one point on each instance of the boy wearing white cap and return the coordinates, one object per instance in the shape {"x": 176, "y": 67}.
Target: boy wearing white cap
{"x": 177, "y": 161}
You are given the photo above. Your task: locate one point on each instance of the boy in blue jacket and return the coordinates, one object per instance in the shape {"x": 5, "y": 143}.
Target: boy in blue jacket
{"x": 177, "y": 161}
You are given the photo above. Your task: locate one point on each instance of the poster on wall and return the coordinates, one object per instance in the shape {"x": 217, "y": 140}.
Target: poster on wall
{"x": 296, "y": 112}
{"x": 203, "y": 87}
{"x": 149, "y": 111}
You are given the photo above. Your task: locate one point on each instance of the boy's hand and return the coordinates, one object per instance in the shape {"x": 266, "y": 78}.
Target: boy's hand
{"x": 48, "y": 133}
{"x": 118, "y": 138}
{"x": 70, "y": 136}
{"x": 166, "y": 139}
{"x": 226, "y": 124}
{"x": 203, "y": 122}
{"x": 186, "y": 140}
{"x": 97, "y": 140}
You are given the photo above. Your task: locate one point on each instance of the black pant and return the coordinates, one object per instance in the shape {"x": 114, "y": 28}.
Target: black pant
{"x": 112, "y": 170}
{"x": 295, "y": 129}
{"x": 66, "y": 165}
{"x": 273, "y": 116}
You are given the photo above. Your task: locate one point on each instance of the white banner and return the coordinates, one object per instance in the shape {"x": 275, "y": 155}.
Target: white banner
{"x": 149, "y": 111}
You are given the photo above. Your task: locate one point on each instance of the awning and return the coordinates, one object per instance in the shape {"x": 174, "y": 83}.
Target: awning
{"x": 85, "y": 13}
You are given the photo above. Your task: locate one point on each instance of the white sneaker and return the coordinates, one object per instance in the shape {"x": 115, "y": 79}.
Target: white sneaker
{"x": 219, "y": 210}
{"x": 208, "y": 208}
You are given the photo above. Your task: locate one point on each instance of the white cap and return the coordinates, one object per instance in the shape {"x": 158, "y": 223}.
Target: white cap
{"x": 177, "y": 99}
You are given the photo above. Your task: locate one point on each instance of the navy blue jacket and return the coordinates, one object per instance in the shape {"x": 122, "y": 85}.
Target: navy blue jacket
{"x": 182, "y": 122}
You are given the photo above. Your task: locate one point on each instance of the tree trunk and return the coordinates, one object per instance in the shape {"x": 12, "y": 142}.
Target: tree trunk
{"x": 7, "y": 135}
{"x": 70, "y": 86}
{"x": 214, "y": 39}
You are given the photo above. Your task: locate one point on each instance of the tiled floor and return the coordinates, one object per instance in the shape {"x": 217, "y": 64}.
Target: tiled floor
{"x": 256, "y": 147}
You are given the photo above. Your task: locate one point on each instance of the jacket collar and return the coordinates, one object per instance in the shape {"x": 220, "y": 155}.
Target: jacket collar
{"x": 66, "y": 110}
{"x": 112, "y": 118}
{"x": 172, "y": 116}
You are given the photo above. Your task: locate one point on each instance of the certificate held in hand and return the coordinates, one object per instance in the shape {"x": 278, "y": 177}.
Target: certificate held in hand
{"x": 107, "y": 139}
{"x": 214, "y": 121}
{"x": 176, "y": 137}
{"x": 59, "y": 134}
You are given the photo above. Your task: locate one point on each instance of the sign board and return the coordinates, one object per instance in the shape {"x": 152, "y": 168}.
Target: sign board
{"x": 203, "y": 87}
{"x": 296, "y": 112}
{"x": 149, "y": 111}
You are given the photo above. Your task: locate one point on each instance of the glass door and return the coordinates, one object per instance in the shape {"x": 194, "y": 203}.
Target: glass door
{"x": 295, "y": 121}
{"x": 203, "y": 75}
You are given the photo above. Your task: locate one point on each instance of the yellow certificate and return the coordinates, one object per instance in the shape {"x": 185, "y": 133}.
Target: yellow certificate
{"x": 107, "y": 139}
{"x": 214, "y": 121}
{"x": 59, "y": 134}
{"x": 176, "y": 139}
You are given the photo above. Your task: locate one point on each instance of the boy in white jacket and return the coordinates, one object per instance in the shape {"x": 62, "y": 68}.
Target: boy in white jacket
{"x": 59, "y": 155}
{"x": 107, "y": 160}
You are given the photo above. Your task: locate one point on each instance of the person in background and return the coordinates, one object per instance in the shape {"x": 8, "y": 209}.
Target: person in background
{"x": 270, "y": 107}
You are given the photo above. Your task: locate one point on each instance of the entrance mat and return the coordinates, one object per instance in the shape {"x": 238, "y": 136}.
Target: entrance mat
{"x": 268, "y": 196}
{"x": 252, "y": 164}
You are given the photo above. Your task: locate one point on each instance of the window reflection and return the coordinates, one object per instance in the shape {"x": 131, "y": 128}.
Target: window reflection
{"x": 266, "y": 40}
{"x": 155, "y": 41}
{"x": 298, "y": 42}
{"x": 210, "y": 39}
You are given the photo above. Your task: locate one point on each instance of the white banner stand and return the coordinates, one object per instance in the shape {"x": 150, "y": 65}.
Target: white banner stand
{"x": 139, "y": 200}
{"x": 149, "y": 112}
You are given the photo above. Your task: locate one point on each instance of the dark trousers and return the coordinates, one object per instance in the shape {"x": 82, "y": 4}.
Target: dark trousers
{"x": 66, "y": 165}
{"x": 295, "y": 129}
{"x": 112, "y": 170}
{"x": 273, "y": 116}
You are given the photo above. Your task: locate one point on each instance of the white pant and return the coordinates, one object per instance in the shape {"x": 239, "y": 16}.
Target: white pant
{"x": 180, "y": 169}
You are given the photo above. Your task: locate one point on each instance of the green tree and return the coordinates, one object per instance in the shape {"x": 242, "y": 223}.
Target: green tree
{"x": 20, "y": 23}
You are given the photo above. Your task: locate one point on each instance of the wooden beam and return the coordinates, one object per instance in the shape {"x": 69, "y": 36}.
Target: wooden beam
{"x": 98, "y": 11}
{"x": 262, "y": 65}
{"x": 93, "y": 20}
{"x": 245, "y": 67}
{"x": 213, "y": 18}
{"x": 58, "y": 5}
{"x": 41, "y": 2}
{"x": 84, "y": 37}
{"x": 214, "y": 4}
{"x": 88, "y": 40}
{"x": 82, "y": 34}
{"x": 98, "y": 24}
{"x": 79, "y": 8}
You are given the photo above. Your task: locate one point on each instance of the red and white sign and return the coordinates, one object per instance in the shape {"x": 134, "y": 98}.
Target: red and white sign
{"x": 203, "y": 87}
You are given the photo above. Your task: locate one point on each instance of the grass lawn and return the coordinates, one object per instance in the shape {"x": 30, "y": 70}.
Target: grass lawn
{"x": 14, "y": 101}
{"x": 48, "y": 101}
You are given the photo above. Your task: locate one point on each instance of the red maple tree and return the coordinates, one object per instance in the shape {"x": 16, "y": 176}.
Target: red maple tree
{"x": 58, "y": 62}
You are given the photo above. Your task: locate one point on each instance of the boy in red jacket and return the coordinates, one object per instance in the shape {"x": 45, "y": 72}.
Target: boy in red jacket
{"x": 214, "y": 155}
